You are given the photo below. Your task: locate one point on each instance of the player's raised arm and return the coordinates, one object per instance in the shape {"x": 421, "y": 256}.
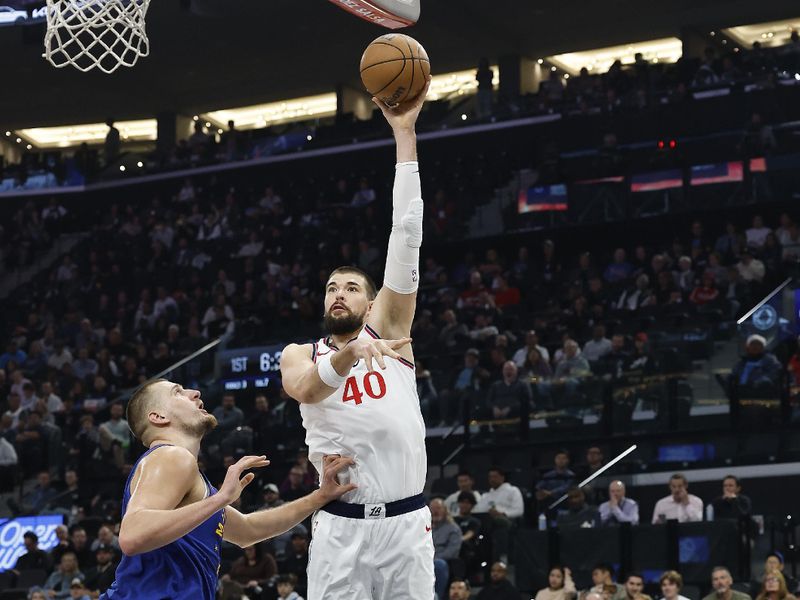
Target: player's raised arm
{"x": 309, "y": 382}
{"x": 245, "y": 530}
{"x": 393, "y": 310}
{"x": 165, "y": 477}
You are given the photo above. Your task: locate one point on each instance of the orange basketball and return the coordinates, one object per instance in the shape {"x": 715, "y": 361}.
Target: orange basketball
{"x": 394, "y": 68}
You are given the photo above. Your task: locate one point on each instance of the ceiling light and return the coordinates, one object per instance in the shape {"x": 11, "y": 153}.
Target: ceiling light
{"x": 91, "y": 133}
{"x": 19, "y": 140}
{"x": 122, "y": 168}
{"x": 195, "y": 118}
{"x": 219, "y": 131}
{"x": 140, "y": 164}
{"x": 667, "y": 50}
{"x": 8, "y": 133}
{"x": 770, "y": 34}
{"x": 309, "y": 137}
{"x": 540, "y": 61}
{"x": 566, "y": 75}
{"x": 29, "y": 146}
{"x": 553, "y": 69}
{"x": 463, "y": 117}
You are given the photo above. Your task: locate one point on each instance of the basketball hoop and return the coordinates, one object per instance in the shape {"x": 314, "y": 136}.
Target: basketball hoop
{"x": 392, "y": 14}
{"x": 96, "y": 34}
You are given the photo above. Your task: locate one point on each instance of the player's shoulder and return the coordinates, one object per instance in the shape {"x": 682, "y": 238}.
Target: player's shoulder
{"x": 176, "y": 457}
{"x": 294, "y": 352}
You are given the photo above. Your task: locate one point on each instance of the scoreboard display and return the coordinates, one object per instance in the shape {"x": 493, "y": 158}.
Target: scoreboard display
{"x": 243, "y": 368}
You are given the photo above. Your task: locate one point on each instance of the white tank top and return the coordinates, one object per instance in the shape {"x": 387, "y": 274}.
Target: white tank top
{"x": 375, "y": 419}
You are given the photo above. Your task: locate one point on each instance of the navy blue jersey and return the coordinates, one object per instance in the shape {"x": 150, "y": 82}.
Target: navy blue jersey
{"x": 185, "y": 569}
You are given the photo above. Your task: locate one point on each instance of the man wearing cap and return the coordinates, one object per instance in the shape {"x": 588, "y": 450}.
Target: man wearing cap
{"x": 77, "y": 591}
{"x": 272, "y": 498}
{"x": 100, "y": 577}
{"x": 758, "y": 370}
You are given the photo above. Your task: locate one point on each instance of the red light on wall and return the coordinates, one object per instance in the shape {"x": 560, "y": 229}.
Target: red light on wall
{"x": 660, "y": 144}
{"x": 673, "y": 144}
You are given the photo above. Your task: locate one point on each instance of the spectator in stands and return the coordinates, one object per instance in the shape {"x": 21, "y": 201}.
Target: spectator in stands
{"x": 535, "y": 368}
{"x": 499, "y": 587}
{"x": 618, "y": 509}
{"x": 459, "y": 590}
{"x": 100, "y": 577}
{"x": 577, "y": 514}
{"x": 13, "y": 411}
{"x": 722, "y": 582}
{"x": 294, "y": 486}
{"x": 78, "y": 545}
{"x": 705, "y": 292}
{"x": 680, "y": 504}
{"x": 557, "y": 481}
{"x": 620, "y": 269}
{"x": 465, "y": 482}
{"x": 271, "y": 496}
{"x": 758, "y": 138}
{"x": 105, "y": 537}
{"x": 466, "y": 382}
{"x": 77, "y": 591}
{"x": 602, "y": 577}
{"x": 559, "y": 585}
{"x": 634, "y": 585}
{"x": 641, "y": 359}
{"x": 637, "y": 296}
{"x": 750, "y": 268}
{"x": 503, "y": 503}
{"x": 296, "y": 561}
{"x": 35, "y": 501}
{"x": 428, "y": 398}
{"x": 199, "y": 142}
{"x": 775, "y": 563}
{"x": 34, "y": 557}
{"x": 509, "y": 397}
{"x": 285, "y": 586}
{"x": 446, "y": 543}
{"x": 732, "y": 504}
{"x": 60, "y": 580}
{"x": 253, "y": 570}
{"x": 597, "y": 347}
{"x": 671, "y": 583}
{"x": 774, "y": 588}
{"x": 531, "y": 343}
{"x": 115, "y": 435}
{"x": 684, "y": 276}
{"x": 469, "y": 525}
{"x": 228, "y": 415}
{"x": 485, "y": 77}
{"x": 758, "y": 370}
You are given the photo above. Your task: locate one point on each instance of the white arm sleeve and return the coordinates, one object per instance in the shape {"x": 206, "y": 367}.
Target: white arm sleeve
{"x": 402, "y": 259}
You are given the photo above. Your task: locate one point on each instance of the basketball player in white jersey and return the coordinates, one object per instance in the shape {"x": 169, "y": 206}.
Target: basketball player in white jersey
{"x": 358, "y": 398}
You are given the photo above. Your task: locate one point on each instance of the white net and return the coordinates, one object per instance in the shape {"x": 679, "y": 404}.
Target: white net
{"x": 96, "y": 34}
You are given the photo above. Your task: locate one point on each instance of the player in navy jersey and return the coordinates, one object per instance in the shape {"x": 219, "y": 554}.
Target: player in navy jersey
{"x": 173, "y": 519}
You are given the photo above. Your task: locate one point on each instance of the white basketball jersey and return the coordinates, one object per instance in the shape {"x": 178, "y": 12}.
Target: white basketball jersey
{"x": 375, "y": 419}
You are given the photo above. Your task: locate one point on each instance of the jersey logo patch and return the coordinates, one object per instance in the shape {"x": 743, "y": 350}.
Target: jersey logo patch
{"x": 374, "y": 511}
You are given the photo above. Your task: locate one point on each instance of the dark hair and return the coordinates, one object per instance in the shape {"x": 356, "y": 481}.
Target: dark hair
{"x": 466, "y": 497}
{"x": 634, "y": 574}
{"x": 680, "y": 476}
{"x": 562, "y": 451}
{"x": 601, "y": 566}
{"x": 560, "y": 569}
{"x": 465, "y": 473}
{"x": 672, "y": 577}
{"x": 499, "y": 470}
{"x": 464, "y": 581}
{"x": 735, "y": 479}
{"x": 289, "y": 578}
{"x": 31, "y": 536}
{"x": 372, "y": 290}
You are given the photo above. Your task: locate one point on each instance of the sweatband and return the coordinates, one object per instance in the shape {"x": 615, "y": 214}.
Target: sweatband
{"x": 402, "y": 259}
{"x": 328, "y": 374}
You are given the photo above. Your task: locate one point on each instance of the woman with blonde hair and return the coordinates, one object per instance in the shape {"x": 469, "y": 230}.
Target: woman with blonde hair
{"x": 774, "y": 587}
{"x": 671, "y": 584}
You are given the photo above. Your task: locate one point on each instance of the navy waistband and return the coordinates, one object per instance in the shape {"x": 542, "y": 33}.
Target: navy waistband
{"x": 373, "y": 511}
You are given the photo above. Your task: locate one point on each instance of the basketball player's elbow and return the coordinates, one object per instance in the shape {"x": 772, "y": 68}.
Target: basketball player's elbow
{"x": 130, "y": 544}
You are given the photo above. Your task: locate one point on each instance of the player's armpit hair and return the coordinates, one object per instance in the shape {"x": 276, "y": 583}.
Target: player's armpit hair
{"x": 138, "y": 408}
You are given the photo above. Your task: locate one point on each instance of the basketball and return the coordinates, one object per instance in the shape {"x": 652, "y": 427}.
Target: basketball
{"x": 394, "y": 68}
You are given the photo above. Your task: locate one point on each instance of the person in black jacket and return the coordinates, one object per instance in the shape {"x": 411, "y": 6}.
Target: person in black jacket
{"x": 34, "y": 558}
{"x": 732, "y": 504}
{"x": 500, "y": 588}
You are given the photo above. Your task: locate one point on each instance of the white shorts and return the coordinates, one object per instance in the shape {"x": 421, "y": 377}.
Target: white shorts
{"x": 371, "y": 559}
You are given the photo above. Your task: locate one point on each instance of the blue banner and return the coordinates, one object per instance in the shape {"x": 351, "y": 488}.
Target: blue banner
{"x": 12, "y": 545}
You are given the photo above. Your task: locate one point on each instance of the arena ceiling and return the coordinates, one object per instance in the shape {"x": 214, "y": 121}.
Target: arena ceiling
{"x": 236, "y": 52}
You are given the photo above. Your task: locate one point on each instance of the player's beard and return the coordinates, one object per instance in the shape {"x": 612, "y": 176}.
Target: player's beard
{"x": 201, "y": 427}
{"x": 349, "y": 323}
